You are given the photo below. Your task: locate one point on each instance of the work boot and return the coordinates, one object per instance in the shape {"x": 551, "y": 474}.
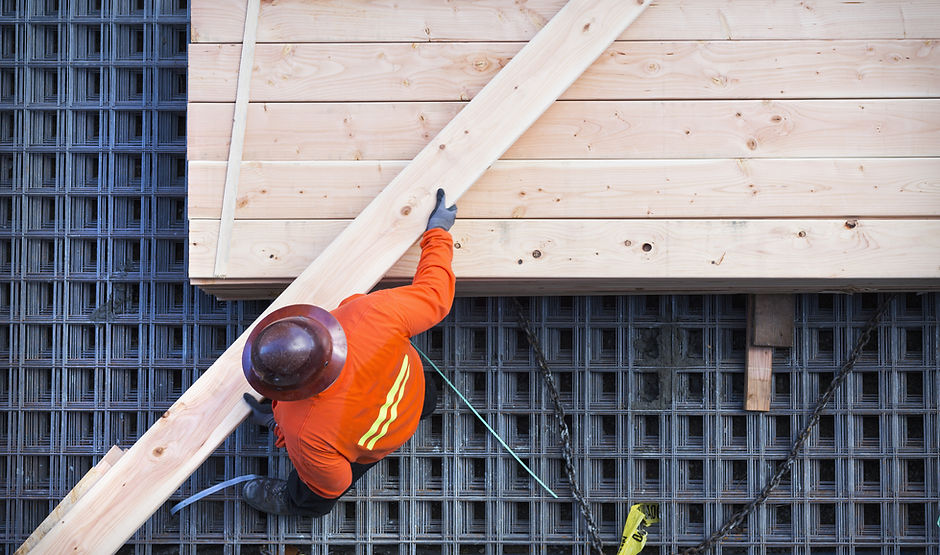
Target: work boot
{"x": 268, "y": 495}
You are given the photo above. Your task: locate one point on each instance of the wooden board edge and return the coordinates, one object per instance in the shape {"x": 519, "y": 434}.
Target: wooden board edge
{"x": 87, "y": 481}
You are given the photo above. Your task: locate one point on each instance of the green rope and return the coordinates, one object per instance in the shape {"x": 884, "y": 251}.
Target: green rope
{"x": 485, "y": 423}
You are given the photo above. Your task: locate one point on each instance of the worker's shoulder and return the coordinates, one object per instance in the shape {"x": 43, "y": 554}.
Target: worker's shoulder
{"x": 354, "y": 309}
{"x": 352, "y": 298}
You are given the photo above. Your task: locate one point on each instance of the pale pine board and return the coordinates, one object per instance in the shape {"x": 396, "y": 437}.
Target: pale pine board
{"x": 581, "y": 129}
{"x": 497, "y": 20}
{"x": 84, "y": 484}
{"x": 627, "y": 70}
{"x": 245, "y": 61}
{"x": 728, "y": 188}
{"x": 245, "y": 290}
{"x": 589, "y": 249}
{"x": 187, "y": 433}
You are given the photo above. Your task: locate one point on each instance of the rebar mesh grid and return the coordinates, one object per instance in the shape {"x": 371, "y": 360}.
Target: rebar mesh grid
{"x": 100, "y": 333}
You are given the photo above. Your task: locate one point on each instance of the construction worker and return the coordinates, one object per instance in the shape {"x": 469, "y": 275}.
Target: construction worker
{"x": 348, "y": 388}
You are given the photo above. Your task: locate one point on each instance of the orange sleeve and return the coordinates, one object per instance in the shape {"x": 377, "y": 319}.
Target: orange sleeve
{"x": 430, "y": 296}
{"x": 351, "y": 298}
{"x": 327, "y": 473}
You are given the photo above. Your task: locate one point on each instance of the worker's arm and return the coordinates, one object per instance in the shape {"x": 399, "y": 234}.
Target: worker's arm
{"x": 262, "y": 414}
{"x": 428, "y": 299}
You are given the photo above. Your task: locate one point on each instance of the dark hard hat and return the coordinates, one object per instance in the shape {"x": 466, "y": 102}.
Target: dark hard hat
{"x": 294, "y": 353}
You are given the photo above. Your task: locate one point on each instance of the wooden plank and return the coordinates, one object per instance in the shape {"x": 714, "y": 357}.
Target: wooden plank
{"x": 212, "y": 407}
{"x": 725, "y": 188}
{"x": 227, "y": 290}
{"x": 583, "y": 249}
{"x": 246, "y": 54}
{"x": 758, "y": 366}
{"x": 589, "y": 130}
{"x": 494, "y": 20}
{"x": 772, "y": 322}
{"x": 87, "y": 481}
{"x": 626, "y": 71}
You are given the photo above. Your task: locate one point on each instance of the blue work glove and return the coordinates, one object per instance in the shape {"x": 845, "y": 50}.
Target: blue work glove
{"x": 261, "y": 413}
{"x": 442, "y": 216}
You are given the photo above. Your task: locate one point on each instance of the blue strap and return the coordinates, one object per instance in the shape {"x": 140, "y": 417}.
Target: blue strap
{"x": 485, "y": 423}
{"x": 209, "y": 491}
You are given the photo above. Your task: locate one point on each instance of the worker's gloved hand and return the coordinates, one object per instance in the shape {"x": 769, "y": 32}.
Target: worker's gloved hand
{"x": 442, "y": 216}
{"x": 261, "y": 413}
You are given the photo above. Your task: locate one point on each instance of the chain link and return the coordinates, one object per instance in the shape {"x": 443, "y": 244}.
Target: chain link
{"x": 781, "y": 471}
{"x": 559, "y": 412}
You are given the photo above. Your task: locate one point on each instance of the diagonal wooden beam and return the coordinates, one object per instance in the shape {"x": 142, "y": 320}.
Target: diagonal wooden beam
{"x": 237, "y": 142}
{"x": 86, "y": 483}
{"x": 187, "y": 433}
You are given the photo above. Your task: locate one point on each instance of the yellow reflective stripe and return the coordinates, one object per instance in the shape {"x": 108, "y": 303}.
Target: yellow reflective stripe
{"x": 389, "y": 399}
{"x": 394, "y": 413}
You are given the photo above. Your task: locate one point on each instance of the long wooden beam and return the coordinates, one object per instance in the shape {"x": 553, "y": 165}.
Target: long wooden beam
{"x": 236, "y": 289}
{"x": 87, "y": 481}
{"x": 187, "y": 433}
{"x": 860, "y": 248}
{"x": 723, "y": 188}
{"x": 492, "y": 20}
{"x": 237, "y": 142}
{"x": 583, "y": 129}
{"x": 653, "y": 70}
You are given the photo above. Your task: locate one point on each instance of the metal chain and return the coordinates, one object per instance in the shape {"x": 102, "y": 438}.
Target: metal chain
{"x": 782, "y": 469}
{"x": 559, "y": 413}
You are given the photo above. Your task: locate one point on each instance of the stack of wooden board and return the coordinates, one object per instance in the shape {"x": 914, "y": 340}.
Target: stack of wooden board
{"x": 719, "y": 145}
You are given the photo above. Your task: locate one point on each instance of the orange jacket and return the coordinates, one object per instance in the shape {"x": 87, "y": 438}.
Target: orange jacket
{"x": 373, "y": 406}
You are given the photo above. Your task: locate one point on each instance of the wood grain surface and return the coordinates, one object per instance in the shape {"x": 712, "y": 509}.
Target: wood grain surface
{"x": 496, "y": 20}
{"x": 686, "y": 249}
{"x": 589, "y": 130}
{"x": 658, "y": 70}
{"x": 732, "y": 188}
{"x": 234, "y": 289}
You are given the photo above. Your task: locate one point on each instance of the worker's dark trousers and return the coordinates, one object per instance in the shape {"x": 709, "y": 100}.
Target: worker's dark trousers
{"x": 307, "y": 503}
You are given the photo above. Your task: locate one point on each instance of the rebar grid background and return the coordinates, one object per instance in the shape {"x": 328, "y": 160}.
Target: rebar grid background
{"x": 100, "y": 333}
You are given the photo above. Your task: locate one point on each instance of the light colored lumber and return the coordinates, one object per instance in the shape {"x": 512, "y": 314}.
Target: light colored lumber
{"x": 580, "y": 129}
{"x": 758, "y": 366}
{"x": 576, "y": 249}
{"x": 246, "y": 54}
{"x": 84, "y": 484}
{"x": 233, "y": 289}
{"x": 626, "y": 71}
{"x": 725, "y": 188}
{"x": 495, "y": 20}
{"x": 212, "y": 407}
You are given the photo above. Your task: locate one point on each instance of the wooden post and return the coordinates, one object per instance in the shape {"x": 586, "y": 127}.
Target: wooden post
{"x": 772, "y": 321}
{"x": 211, "y": 408}
{"x": 769, "y": 325}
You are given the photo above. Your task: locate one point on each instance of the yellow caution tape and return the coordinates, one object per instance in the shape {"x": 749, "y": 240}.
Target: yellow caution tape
{"x": 634, "y": 538}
